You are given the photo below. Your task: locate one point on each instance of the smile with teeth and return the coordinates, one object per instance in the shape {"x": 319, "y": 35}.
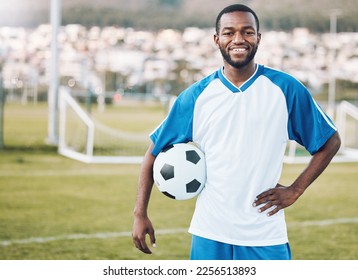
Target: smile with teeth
{"x": 239, "y": 50}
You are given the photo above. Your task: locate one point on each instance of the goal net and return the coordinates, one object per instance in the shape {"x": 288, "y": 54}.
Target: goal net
{"x": 85, "y": 139}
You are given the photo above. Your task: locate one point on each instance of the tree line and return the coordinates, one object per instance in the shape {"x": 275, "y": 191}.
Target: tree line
{"x": 154, "y": 15}
{"x": 154, "y": 19}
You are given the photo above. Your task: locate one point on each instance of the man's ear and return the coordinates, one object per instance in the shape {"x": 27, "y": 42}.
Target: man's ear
{"x": 216, "y": 40}
{"x": 258, "y": 38}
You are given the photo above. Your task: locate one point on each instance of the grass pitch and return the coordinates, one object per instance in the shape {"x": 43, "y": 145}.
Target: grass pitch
{"x": 55, "y": 208}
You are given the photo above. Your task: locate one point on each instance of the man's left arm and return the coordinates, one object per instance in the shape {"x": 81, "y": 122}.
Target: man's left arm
{"x": 281, "y": 197}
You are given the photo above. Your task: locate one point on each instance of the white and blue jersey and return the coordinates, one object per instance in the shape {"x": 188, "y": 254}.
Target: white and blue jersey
{"x": 243, "y": 133}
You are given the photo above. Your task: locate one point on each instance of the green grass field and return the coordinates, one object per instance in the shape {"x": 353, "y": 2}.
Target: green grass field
{"x": 55, "y": 208}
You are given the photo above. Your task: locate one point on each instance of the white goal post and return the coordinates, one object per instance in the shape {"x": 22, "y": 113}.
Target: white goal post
{"x": 78, "y": 134}
{"x": 347, "y": 123}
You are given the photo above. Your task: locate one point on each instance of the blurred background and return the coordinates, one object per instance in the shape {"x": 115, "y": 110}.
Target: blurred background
{"x": 160, "y": 46}
{"x": 83, "y": 83}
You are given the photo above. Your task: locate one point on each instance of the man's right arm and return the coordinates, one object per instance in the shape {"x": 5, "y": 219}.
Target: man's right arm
{"x": 142, "y": 224}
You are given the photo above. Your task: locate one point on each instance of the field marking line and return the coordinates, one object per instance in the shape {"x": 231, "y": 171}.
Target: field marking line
{"x": 101, "y": 235}
{"x": 106, "y": 235}
{"x": 60, "y": 173}
{"x": 324, "y": 222}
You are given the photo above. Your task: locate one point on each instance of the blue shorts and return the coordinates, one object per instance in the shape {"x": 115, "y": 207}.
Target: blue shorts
{"x": 206, "y": 249}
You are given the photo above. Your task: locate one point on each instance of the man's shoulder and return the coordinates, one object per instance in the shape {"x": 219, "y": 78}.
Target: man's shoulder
{"x": 281, "y": 78}
{"x": 277, "y": 74}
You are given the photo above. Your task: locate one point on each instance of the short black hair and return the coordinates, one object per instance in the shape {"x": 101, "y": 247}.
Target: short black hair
{"x": 235, "y": 8}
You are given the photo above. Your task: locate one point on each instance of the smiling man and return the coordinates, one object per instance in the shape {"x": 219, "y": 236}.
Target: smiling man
{"x": 241, "y": 117}
{"x": 238, "y": 39}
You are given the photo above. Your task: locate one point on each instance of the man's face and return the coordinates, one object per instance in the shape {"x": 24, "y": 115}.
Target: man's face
{"x": 238, "y": 38}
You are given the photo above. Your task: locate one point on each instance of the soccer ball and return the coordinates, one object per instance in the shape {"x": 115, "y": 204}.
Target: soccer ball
{"x": 179, "y": 171}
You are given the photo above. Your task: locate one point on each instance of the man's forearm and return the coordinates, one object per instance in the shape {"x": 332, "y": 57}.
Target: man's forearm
{"x": 317, "y": 165}
{"x": 145, "y": 183}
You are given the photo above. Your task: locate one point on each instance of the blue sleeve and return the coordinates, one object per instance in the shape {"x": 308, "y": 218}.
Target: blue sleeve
{"x": 307, "y": 123}
{"x": 177, "y": 127}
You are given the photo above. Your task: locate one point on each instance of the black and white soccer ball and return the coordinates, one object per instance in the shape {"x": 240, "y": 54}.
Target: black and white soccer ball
{"x": 180, "y": 171}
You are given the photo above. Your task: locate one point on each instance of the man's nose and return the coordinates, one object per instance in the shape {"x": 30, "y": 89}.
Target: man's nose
{"x": 238, "y": 38}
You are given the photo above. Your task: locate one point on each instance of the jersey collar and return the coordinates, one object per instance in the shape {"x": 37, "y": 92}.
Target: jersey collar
{"x": 245, "y": 85}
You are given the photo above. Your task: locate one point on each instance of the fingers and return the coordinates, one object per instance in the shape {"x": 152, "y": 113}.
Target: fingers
{"x": 270, "y": 200}
{"x": 269, "y": 205}
{"x": 152, "y": 239}
{"x": 272, "y": 206}
{"x": 274, "y": 211}
{"x": 265, "y": 196}
{"x": 141, "y": 244}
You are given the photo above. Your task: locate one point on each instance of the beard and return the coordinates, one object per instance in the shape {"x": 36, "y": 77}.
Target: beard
{"x": 240, "y": 63}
